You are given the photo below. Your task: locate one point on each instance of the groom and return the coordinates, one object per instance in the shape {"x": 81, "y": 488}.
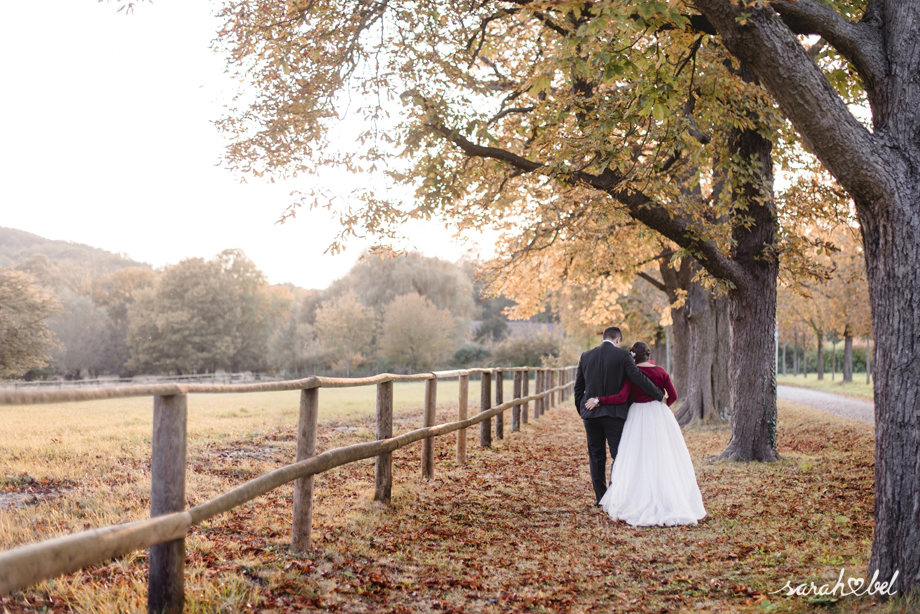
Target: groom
{"x": 601, "y": 373}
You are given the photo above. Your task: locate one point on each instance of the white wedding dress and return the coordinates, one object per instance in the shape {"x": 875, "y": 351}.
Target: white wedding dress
{"x": 652, "y": 481}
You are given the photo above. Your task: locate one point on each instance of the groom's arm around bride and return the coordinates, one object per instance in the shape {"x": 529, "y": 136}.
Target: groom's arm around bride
{"x": 602, "y": 372}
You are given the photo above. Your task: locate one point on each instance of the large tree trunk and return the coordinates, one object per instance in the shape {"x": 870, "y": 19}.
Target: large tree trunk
{"x": 891, "y": 239}
{"x": 701, "y": 346}
{"x": 705, "y": 394}
{"x": 752, "y": 367}
{"x": 847, "y": 355}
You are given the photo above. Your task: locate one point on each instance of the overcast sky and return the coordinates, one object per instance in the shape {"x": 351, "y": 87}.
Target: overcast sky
{"x": 106, "y": 139}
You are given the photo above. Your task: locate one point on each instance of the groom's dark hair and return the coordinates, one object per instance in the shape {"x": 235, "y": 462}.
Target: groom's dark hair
{"x": 613, "y": 333}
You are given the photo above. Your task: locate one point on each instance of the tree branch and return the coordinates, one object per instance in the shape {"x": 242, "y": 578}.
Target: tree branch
{"x": 657, "y": 284}
{"x": 639, "y": 206}
{"x": 805, "y": 96}
{"x": 862, "y": 43}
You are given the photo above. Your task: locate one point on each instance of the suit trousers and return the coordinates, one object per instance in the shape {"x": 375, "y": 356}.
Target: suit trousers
{"x": 601, "y": 430}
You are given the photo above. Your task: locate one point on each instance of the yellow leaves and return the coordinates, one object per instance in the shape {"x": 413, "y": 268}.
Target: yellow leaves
{"x": 680, "y": 300}
{"x": 540, "y": 84}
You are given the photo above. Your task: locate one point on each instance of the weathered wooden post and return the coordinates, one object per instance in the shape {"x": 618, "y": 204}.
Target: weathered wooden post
{"x": 525, "y": 388}
{"x": 166, "y": 578}
{"x": 537, "y": 389}
{"x": 516, "y": 410}
{"x": 485, "y": 400}
{"x": 552, "y": 384}
{"x": 462, "y": 415}
{"x": 303, "y": 487}
{"x": 431, "y": 397}
{"x": 383, "y": 464}
{"x": 499, "y": 399}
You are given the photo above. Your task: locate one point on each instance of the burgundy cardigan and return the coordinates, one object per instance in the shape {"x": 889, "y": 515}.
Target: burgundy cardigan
{"x": 658, "y": 376}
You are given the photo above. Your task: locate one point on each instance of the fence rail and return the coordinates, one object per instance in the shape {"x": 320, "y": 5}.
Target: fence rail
{"x": 214, "y": 378}
{"x": 164, "y": 533}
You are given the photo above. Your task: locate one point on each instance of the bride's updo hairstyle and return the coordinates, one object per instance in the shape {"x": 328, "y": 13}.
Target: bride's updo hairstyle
{"x": 640, "y": 352}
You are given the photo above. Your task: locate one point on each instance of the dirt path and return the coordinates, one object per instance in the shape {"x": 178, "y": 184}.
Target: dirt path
{"x": 846, "y": 407}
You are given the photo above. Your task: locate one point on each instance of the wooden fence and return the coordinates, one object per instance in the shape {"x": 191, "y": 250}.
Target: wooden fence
{"x": 164, "y": 532}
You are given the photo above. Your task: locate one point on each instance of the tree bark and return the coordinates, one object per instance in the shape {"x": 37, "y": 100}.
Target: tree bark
{"x": 704, "y": 396}
{"x": 752, "y": 364}
{"x": 891, "y": 239}
{"x": 847, "y": 355}
{"x": 819, "y": 367}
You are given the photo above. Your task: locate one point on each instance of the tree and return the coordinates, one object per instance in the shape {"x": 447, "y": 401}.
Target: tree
{"x": 877, "y": 169}
{"x": 378, "y": 280}
{"x": 685, "y": 152}
{"x": 533, "y": 351}
{"x": 344, "y": 328}
{"x": 26, "y": 341}
{"x": 115, "y": 292}
{"x": 87, "y": 343}
{"x": 188, "y": 322}
{"x": 848, "y": 295}
{"x": 258, "y": 307}
{"x": 416, "y": 333}
{"x": 494, "y": 329}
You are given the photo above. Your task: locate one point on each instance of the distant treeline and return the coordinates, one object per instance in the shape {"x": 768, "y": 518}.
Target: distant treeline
{"x": 95, "y": 313}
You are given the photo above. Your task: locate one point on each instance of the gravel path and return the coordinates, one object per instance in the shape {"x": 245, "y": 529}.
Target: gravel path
{"x": 847, "y": 407}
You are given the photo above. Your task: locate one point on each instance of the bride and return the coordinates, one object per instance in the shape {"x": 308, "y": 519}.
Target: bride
{"x": 652, "y": 481}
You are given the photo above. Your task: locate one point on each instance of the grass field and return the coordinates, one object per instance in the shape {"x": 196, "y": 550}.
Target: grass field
{"x": 512, "y": 531}
{"x": 858, "y": 388}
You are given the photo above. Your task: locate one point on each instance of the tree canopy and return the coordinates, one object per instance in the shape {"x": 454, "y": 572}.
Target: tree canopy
{"x": 26, "y": 341}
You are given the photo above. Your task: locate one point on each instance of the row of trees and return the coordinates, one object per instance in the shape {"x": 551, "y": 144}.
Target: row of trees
{"x": 834, "y": 308}
{"x": 409, "y": 312}
{"x": 583, "y": 120}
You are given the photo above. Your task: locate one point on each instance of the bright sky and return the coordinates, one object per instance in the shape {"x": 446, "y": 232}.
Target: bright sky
{"x": 106, "y": 139}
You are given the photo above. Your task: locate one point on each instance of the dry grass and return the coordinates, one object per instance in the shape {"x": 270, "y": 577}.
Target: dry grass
{"x": 512, "y": 531}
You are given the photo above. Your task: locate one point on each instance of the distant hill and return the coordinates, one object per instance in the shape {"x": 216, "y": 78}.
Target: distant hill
{"x": 19, "y": 246}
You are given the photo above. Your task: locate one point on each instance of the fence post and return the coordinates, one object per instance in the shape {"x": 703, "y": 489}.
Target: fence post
{"x": 552, "y": 384}
{"x": 537, "y": 389}
{"x": 499, "y": 399}
{"x": 462, "y": 415}
{"x": 166, "y": 578}
{"x": 383, "y": 464}
{"x": 485, "y": 400}
{"x": 431, "y": 397}
{"x": 525, "y": 392}
{"x": 516, "y": 410}
{"x": 303, "y": 487}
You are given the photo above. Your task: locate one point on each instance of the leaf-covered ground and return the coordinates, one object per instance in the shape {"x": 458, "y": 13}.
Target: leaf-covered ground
{"x": 514, "y": 530}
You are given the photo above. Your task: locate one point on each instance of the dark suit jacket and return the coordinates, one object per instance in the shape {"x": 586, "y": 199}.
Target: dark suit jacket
{"x": 601, "y": 373}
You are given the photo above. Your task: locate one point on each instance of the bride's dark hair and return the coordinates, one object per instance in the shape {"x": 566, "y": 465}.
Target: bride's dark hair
{"x": 641, "y": 352}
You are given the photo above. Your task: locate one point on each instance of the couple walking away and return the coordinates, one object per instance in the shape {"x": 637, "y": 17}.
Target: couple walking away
{"x": 620, "y": 402}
